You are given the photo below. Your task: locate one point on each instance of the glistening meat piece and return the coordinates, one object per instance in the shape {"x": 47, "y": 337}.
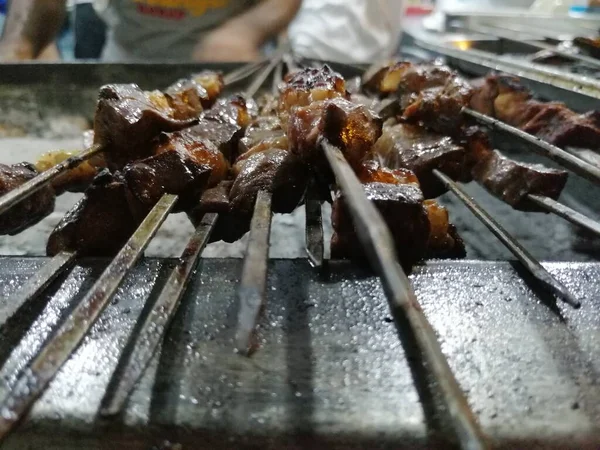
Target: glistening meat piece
{"x": 127, "y": 120}
{"x": 444, "y": 241}
{"x": 225, "y": 122}
{"x": 100, "y": 224}
{"x": 275, "y": 170}
{"x": 563, "y": 127}
{"x": 29, "y": 211}
{"x": 199, "y": 149}
{"x": 504, "y": 97}
{"x": 401, "y": 205}
{"x": 189, "y": 96}
{"x": 403, "y": 78}
{"x": 308, "y": 86}
{"x": 115, "y": 204}
{"x": 263, "y": 128}
{"x": 512, "y": 181}
{"x": 439, "y": 108}
{"x": 427, "y": 93}
{"x": 353, "y": 128}
{"x": 413, "y": 147}
{"x": 170, "y": 172}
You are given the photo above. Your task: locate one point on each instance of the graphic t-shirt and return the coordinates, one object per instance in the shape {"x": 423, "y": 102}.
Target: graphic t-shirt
{"x": 161, "y": 30}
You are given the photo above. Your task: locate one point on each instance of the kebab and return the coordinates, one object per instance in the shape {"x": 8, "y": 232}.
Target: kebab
{"x": 410, "y": 145}
{"x": 127, "y": 119}
{"x": 505, "y": 98}
{"x": 182, "y": 163}
{"x": 416, "y": 225}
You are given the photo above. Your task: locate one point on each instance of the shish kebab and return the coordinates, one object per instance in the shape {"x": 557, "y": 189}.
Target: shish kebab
{"x": 267, "y": 165}
{"x": 435, "y": 95}
{"x": 126, "y": 120}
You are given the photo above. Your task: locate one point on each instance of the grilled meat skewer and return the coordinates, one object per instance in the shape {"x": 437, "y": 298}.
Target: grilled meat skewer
{"x": 32, "y": 209}
{"x": 505, "y": 98}
{"x": 127, "y": 120}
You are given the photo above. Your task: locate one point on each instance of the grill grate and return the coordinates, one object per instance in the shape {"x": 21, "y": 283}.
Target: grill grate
{"x": 415, "y": 330}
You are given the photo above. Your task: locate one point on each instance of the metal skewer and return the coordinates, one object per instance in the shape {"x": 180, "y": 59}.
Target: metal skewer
{"x": 151, "y": 334}
{"x": 243, "y": 72}
{"x": 39, "y": 181}
{"x": 49, "y": 359}
{"x": 378, "y": 244}
{"x": 566, "y": 212}
{"x": 315, "y": 248}
{"x": 562, "y": 157}
{"x": 146, "y": 341}
{"x": 251, "y": 291}
{"x": 592, "y": 62}
{"x": 550, "y": 283}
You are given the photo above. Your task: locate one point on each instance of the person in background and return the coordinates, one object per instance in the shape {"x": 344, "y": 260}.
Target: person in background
{"x": 349, "y": 31}
{"x": 155, "y": 30}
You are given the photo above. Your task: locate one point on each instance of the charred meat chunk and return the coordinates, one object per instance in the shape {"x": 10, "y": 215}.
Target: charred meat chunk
{"x": 412, "y": 147}
{"x": 101, "y": 223}
{"x": 444, "y": 240}
{"x": 199, "y": 149}
{"x": 29, "y": 211}
{"x": 224, "y": 124}
{"x": 512, "y": 181}
{"x": 231, "y": 225}
{"x": 127, "y": 120}
{"x": 353, "y": 128}
{"x": 307, "y": 86}
{"x": 189, "y": 96}
{"x": 401, "y": 205}
{"x": 440, "y": 108}
{"x": 169, "y": 172}
{"x": 275, "y": 170}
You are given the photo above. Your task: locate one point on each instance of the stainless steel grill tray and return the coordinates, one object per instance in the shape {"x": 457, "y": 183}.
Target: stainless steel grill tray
{"x": 331, "y": 373}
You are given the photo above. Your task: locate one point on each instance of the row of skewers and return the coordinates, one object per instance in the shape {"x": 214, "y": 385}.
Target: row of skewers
{"x": 229, "y": 162}
{"x": 216, "y": 154}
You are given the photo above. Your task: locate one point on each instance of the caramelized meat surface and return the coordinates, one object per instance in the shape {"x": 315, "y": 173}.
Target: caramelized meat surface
{"x": 352, "y": 128}
{"x": 439, "y": 108}
{"x": 504, "y": 97}
{"x": 101, "y": 223}
{"x": 512, "y": 181}
{"x": 224, "y": 124}
{"x": 189, "y": 96}
{"x": 127, "y": 120}
{"x": 307, "y": 86}
{"x": 29, "y": 211}
{"x": 405, "y": 146}
{"x": 73, "y": 180}
{"x": 169, "y": 172}
{"x": 275, "y": 170}
{"x": 401, "y": 205}
{"x": 444, "y": 241}
{"x": 199, "y": 149}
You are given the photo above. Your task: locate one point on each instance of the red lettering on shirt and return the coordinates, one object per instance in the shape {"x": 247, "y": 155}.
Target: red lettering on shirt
{"x": 159, "y": 11}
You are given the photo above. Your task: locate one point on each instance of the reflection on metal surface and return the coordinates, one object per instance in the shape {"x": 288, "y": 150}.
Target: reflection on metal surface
{"x": 410, "y": 321}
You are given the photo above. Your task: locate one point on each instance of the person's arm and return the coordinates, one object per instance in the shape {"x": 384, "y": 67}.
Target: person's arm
{"x": 240, "y": 38}
{"x": 30, "y": 26}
